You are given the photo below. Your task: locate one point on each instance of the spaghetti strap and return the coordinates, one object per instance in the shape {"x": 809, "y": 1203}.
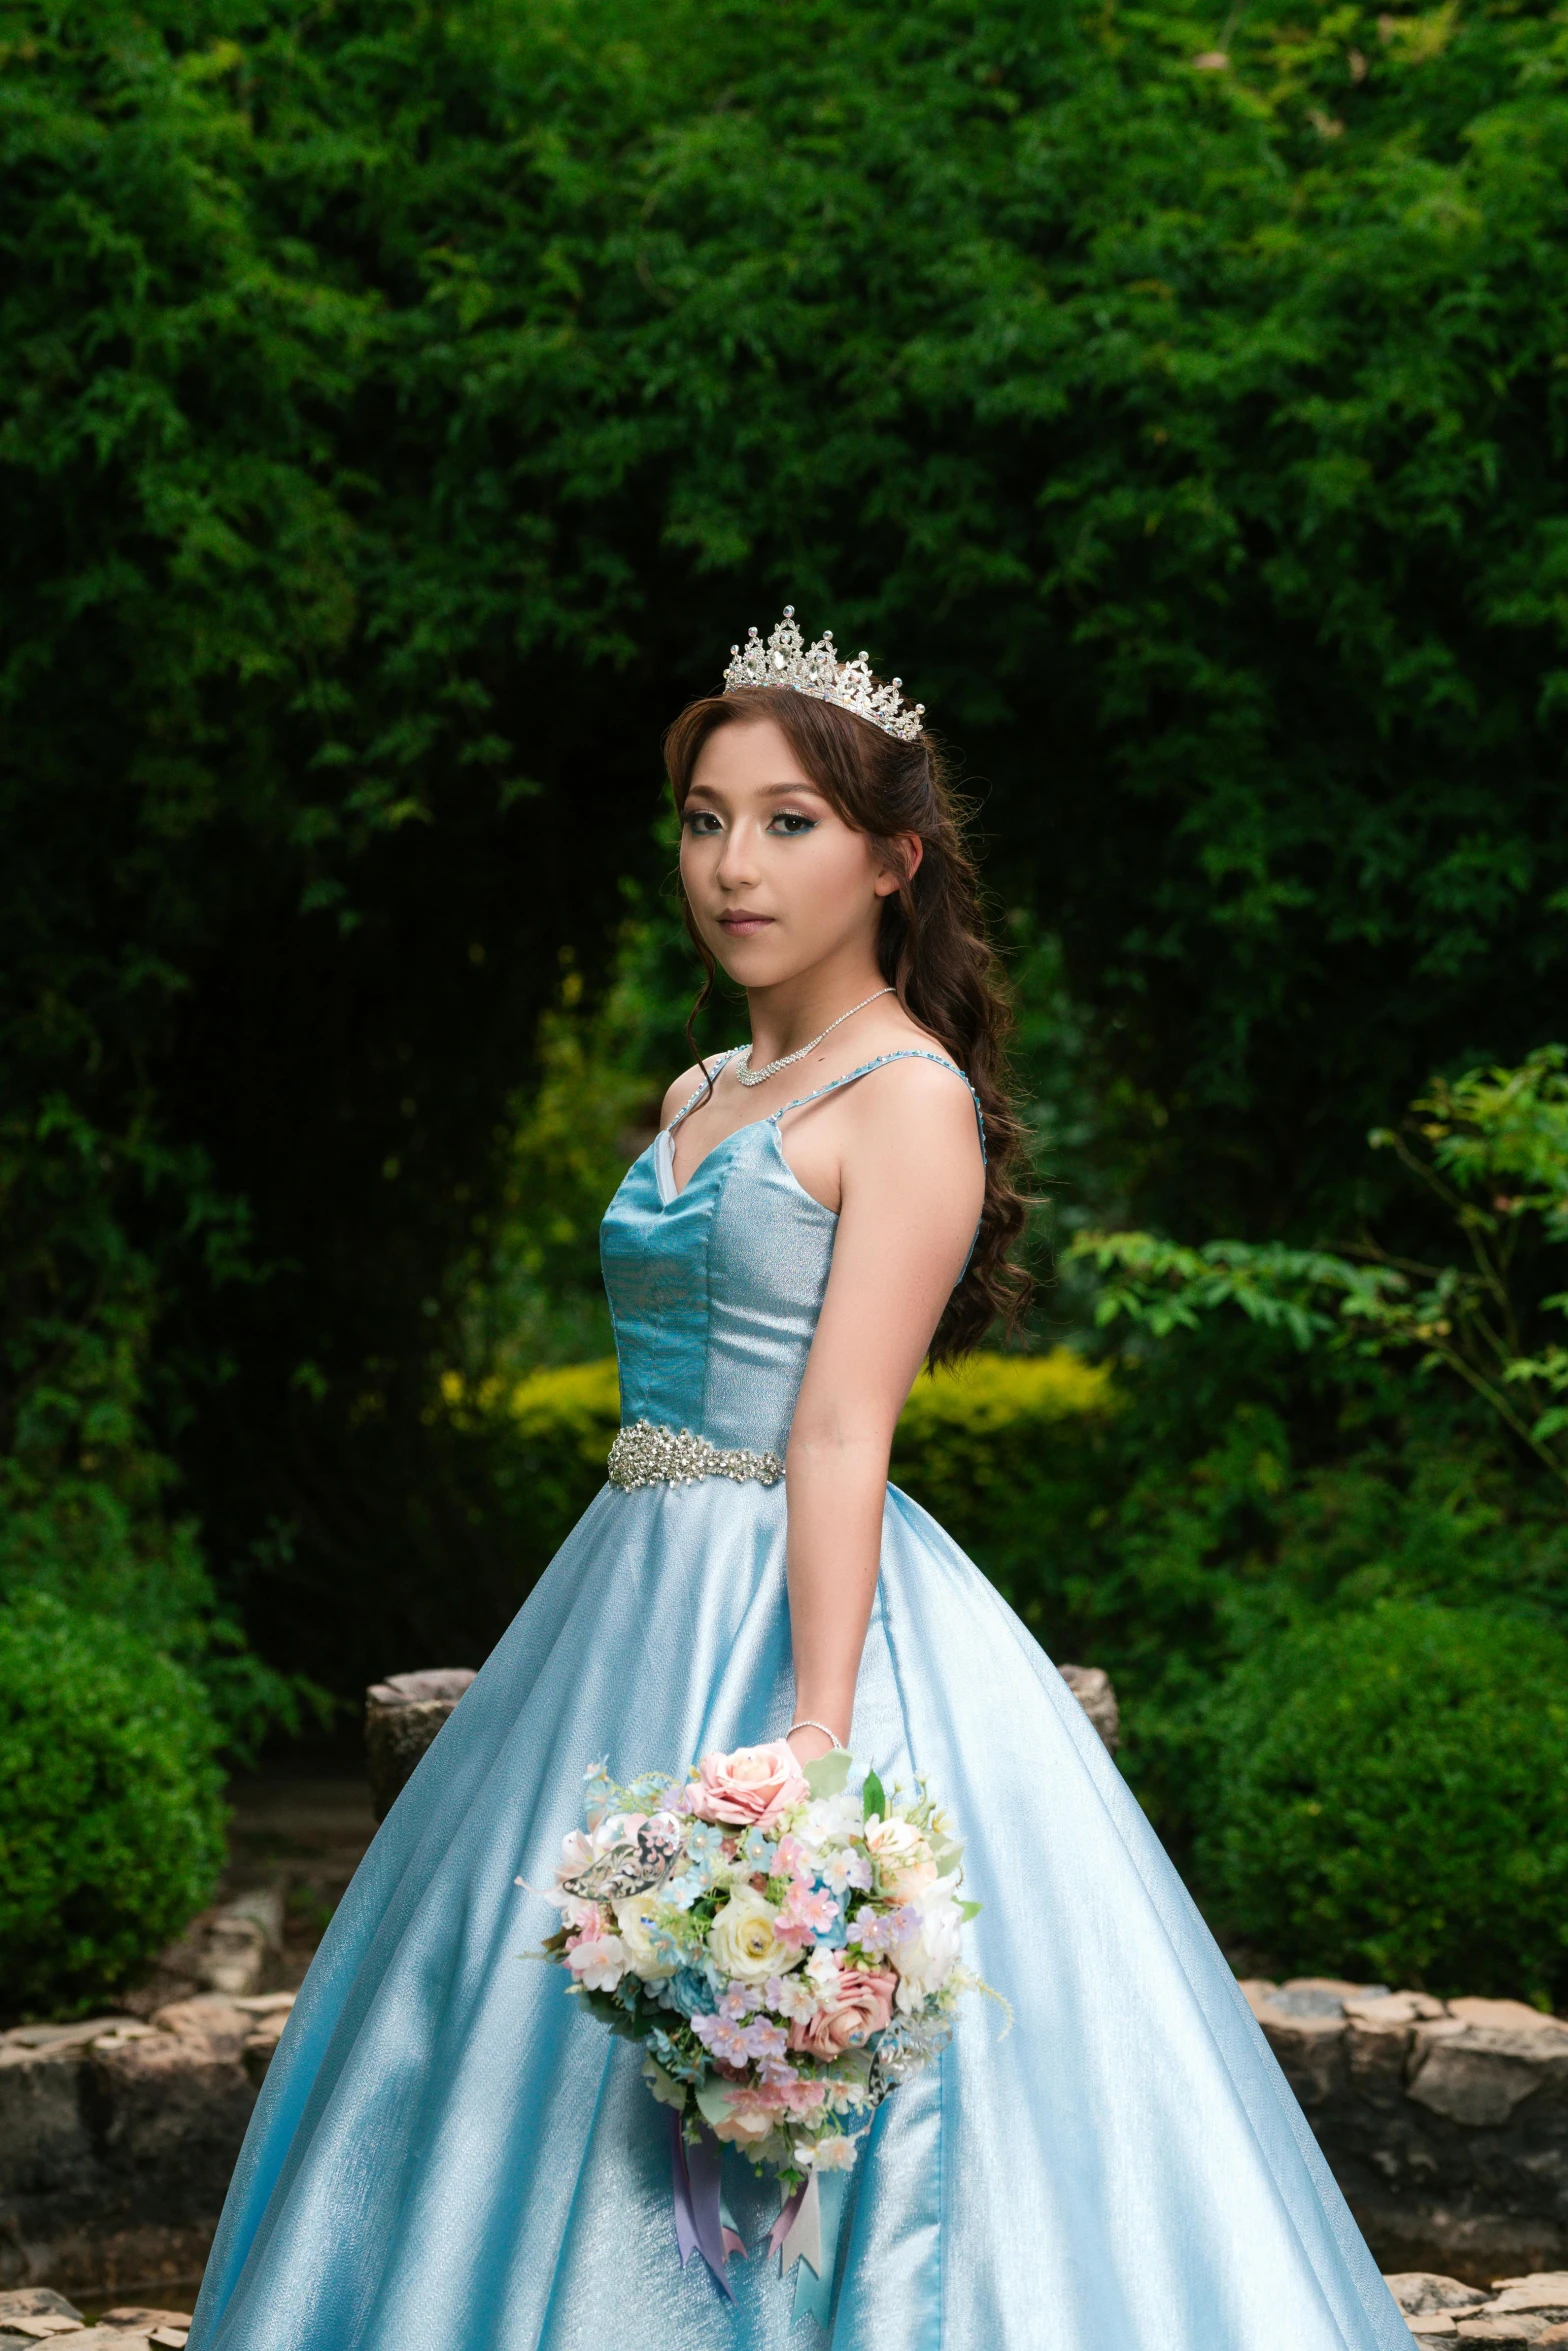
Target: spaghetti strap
{"x": 694, "y": 1099}
{"x": 908, "y": 1053}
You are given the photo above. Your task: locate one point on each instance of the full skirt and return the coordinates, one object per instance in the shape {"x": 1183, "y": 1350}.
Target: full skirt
{"x": 450, "y": 2154}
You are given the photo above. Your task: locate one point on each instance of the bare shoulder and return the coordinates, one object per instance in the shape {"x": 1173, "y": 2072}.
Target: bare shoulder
{"x": 920, "y": 1100}
{"x": 680, "y": 1093}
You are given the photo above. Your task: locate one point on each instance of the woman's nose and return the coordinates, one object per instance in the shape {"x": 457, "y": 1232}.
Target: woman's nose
{"x": 737, "y": 866}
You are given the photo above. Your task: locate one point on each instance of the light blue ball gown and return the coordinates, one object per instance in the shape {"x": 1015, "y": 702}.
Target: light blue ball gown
{"x": 449, "y": 2154}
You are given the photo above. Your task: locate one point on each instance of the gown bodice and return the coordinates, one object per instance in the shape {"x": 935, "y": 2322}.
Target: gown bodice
{"x": 715, "y": 1290}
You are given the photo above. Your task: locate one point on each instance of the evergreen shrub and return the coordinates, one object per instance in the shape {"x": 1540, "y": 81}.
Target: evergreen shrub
{"x": 1390, "y": 1800}
{"x": 111, "y": 1813}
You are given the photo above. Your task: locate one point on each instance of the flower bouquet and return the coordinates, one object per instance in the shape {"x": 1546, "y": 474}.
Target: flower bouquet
{"x": 787, "y": 1949}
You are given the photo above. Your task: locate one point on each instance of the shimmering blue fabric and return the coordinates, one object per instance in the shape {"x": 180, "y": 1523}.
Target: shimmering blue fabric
{"x": 449, "y": 2155}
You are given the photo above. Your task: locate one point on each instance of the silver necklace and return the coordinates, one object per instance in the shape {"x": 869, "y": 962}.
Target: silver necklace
{"x": 757, "y": 1077}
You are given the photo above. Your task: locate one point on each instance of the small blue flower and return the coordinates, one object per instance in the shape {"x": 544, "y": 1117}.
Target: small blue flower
{"x": 760, "y": 1851}
{"x": 690, "y": 1993}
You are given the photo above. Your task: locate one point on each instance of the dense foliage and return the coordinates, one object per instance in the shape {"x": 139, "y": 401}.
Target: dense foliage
{"x": 399, "y": 412}
{"x": 111, "y": 1818}
{"x": 1392, "y": 1800}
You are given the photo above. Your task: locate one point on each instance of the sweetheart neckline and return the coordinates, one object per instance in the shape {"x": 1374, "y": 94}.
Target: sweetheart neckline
{"x": 665, "y": 1168}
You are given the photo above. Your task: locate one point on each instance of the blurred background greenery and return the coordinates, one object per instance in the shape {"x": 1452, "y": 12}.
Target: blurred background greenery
{"x": 401, "y": 410}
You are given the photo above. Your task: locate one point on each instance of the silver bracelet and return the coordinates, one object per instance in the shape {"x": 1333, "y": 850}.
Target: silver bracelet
{"x": 839, "y": 1747}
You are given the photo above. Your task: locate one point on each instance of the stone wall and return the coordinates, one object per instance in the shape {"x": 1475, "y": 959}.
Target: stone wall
{"x": 1445, "y": 2121}
{"x": 118, "y": 2135}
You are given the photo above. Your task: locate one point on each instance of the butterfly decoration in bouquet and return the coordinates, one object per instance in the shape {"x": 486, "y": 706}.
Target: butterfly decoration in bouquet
{"x": 787, "y": 1949}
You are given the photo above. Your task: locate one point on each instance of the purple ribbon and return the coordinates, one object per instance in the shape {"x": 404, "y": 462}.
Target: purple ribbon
{"x": 699, "y": 2222}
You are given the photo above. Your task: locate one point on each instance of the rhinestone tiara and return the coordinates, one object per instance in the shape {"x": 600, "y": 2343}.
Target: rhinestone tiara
{"x": 787, "y": 660}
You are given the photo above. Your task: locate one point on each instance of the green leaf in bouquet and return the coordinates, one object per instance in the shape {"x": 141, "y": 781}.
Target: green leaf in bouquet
{"x": 969, "y": 1910}
{"x": 713, "y": 2101}
{"x": 826, "y": 1777}
{"x": 664, "y": 2086}
{"x": 873, "y": 1801}
{"x": 948, "y": 1852}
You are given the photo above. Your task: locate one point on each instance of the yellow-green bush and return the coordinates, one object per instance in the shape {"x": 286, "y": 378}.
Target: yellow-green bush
{"x": 1003, "y": 1449}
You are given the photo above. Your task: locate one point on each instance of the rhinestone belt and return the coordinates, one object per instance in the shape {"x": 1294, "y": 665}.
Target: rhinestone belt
{"x": 648, "y": 1455}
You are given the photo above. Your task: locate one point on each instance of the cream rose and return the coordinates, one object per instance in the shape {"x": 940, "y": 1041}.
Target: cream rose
{"x": 743, "y": 1941}
{"x": 749, "y": 1789}
{"x": 648, "y": 1948}
{"x": 904, "y": 1860}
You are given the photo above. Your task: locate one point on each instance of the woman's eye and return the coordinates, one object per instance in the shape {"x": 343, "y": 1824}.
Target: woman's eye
{"x": 789, "y": 823}
{"x": 702, "y": 820}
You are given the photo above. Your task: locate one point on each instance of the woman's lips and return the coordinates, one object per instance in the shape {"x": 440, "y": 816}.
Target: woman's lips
{"x": 743, "y": 926}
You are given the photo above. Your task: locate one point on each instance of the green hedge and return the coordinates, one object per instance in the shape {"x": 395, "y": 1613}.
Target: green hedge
{"x": 111, "y": 1813}
{"x": 1004, "y": 1450}
{"x": 1391, "y": 1800}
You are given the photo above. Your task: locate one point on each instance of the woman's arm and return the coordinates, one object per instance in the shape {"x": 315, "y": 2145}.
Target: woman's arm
{"x": 912, "y": 1183}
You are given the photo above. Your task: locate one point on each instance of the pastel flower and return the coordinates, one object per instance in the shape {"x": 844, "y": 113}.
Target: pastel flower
{"x": 747, "y": 2119}
{"x": 650, "y": 1947}
{"x": 835, "y": 2153}
{"x": 752, "y": 1788}
{"x": 744, "y": 1941}
{"x": 723, "y": 2037}
{"x": 823, "y": 1970}
{"x": 765, "y": 2040}
{"x": 808, "y": 1910}
{"x": 790, "y": 1995}
{"x": 846, "y": 1868}
{"x": 597, "y": 1962}
{"x": 738, "y": 2002}
{"x": 861, "y": 2005}
{"x": 689, "y": 1993}
{"x": 758, "y": 1851}
{"x": 927, "y": 1957}
{"x": 905, "y": 1863}
{"x": 885, "y": 1930}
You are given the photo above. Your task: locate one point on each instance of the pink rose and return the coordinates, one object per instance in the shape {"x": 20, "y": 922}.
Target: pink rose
{"x": 751, "y": 1788}
{"x": 858, "y": 2005}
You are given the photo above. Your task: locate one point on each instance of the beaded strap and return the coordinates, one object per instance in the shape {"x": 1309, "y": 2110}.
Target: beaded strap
{"x": 719, "y": 1063}
{"x": 906, "y": 1053}
{"x": 649, "y": 1454}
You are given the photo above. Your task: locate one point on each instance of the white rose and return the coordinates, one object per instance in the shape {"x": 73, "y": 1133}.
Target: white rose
{"x": 743, "y": 1942}
{"x": 926, "y": 1959}
{"x": 649, "y": 1949}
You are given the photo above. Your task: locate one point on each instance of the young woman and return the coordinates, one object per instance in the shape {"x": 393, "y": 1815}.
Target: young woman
{"x": 448, "y": 2154}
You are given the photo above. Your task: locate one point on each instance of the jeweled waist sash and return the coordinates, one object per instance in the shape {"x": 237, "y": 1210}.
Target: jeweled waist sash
{"x": 649, "y": 1455}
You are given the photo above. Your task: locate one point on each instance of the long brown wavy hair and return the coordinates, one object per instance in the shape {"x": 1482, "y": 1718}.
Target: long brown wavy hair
{"x": 932, "y": 945}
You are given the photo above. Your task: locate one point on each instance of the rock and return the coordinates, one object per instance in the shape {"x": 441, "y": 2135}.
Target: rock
{"x": 1546, "y": 2291}
{"x": 1506, "y": 2016}
{"x": 1439, "y": 2325}
{"x": 36, "y": 2302}
{"x": 1421, "y": 2293}
{"x": 1502, "y": 2334}
{"x": 402, "y": 1716}
{"x": 1091, "y": 1685}
{"x": 234, "y": 1949}
{"x": 1477, "y": 2074}
{"x": 132, "y": 2315}
{"x": 101, "y": 2339}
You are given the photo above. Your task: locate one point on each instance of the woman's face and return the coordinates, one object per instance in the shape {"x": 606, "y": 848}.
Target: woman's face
{"x": 775, "y": 878}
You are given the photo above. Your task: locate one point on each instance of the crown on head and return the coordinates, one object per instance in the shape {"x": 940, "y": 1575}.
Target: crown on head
{"x": 787, "y": 660}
